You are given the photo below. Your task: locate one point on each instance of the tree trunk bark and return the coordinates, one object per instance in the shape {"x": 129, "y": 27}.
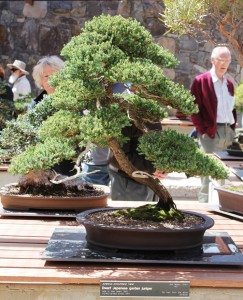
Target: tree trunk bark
{"x": 165, "y": 199}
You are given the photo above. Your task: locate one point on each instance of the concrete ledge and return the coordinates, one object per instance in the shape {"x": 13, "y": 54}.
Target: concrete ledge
{"x": 181, "y": 187}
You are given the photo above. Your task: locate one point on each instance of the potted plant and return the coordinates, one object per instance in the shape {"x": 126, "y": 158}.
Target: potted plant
{"x": 110, "y": 50}
{"x": 230, "y": 198}
{"x": 6, "y": 109}
{"x": 6, "y": 106}
{"x": 21, "y": 104}
{"x": 239, "y": 104}
{"x": 35, "y": 189}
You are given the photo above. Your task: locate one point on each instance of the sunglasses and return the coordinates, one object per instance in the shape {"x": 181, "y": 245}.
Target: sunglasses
{"x": 13, "y": 70}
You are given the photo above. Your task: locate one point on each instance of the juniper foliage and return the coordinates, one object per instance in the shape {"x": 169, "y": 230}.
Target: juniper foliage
{"x": 110, "y": 50}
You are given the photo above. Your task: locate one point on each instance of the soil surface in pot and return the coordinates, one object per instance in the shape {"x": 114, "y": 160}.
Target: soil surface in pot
{"x": 40, "y": 183}
{"x": 108, "y": 218}
{"x": 238, "y": 188}
{"x": 53, "y": 190}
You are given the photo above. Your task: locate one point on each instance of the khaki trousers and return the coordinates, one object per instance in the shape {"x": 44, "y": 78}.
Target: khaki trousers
{"x": 223, "y": 138}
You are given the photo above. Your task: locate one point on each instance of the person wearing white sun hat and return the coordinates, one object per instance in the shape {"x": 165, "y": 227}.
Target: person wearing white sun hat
{"x": 21, "y": 85}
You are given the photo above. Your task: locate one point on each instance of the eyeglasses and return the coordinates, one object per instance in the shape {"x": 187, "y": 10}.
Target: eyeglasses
{"x": 13, "y": 70}
{"x": 223, "y": 61}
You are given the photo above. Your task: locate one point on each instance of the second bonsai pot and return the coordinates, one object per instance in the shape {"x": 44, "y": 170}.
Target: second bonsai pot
{"x": 26, "y": 202}
{"x": 229, "y": 200}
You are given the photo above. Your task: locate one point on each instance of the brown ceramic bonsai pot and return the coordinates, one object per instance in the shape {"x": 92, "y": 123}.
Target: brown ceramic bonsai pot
{"x": 180, "y": 115}
{"x": 230, "y": 201}
{"x": 26, "y": 202}
{"x": 4, "y": 167}
{"x": 143, "y": 238}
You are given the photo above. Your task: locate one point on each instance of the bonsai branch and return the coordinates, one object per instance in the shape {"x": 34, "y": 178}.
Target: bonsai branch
{"x": 154, "y": 97}
{"x": 81, "y": 155}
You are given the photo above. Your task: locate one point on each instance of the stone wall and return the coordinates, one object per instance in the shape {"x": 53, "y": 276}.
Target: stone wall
{"x": 30, "y": 32}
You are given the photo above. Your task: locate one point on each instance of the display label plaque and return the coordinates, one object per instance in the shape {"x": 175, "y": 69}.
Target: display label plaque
{"x": 160, "y": 289}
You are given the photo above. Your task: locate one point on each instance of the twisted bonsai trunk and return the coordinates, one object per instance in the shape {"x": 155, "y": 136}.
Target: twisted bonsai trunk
{"x": 165, "y": 200}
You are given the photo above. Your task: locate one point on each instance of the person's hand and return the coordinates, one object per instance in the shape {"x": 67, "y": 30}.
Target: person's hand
{"x": 160, "y": 174}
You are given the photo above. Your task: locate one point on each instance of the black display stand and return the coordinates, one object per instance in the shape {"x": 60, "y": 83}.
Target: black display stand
{"x": 224, "y": 155}
{"x": 70, "y": 245}
{"x": 39, "y": 213}
{"x": 216, "y": 208}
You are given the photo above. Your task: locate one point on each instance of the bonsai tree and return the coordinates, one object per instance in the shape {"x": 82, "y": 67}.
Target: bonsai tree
{"x": 239, "y": 103}
{"x": 110, "y": 50}
{"x": 6, "y": 106}
{"x": 239, "y": 98}
{"x": 21, "y": 104}
{"x": 191, "y": 17}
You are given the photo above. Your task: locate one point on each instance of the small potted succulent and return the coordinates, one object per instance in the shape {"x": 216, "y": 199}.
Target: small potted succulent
{"x": 113, "y": 50}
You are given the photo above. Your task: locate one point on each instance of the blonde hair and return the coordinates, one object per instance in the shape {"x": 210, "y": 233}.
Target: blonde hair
{"x": 53, "y": 61}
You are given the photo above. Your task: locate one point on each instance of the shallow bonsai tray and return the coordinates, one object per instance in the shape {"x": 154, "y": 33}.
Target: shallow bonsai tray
{"x": 230, "y": 200}
{"x": 216, "y": 208}
{"x": 70, "y": 245}
{"x": 224, "y": 155}
{"x": 19, "y": 202}
{"x": 238, "y": 172}
{"x": 234, "y": 152}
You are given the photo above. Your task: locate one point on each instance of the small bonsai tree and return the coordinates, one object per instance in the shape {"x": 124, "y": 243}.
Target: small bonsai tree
{"x": 21, "y": 105}
{"x": 6, "y": 106}
{"x": 110, "y": 50}
{"x": 239, "y": 98}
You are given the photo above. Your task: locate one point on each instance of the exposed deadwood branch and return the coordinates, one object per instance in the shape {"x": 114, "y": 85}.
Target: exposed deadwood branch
{"x": 67, "y": 178}
{"x": 76, "y": 167}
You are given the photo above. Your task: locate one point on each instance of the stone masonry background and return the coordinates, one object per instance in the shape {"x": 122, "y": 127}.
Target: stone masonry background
{"x": 30, "y": 32}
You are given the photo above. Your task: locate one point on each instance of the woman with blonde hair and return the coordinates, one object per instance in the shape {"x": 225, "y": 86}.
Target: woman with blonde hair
{"x": 44, "y": 68}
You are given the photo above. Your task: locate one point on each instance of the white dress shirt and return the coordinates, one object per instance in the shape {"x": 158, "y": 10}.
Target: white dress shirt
{"x": 225, "y": 100}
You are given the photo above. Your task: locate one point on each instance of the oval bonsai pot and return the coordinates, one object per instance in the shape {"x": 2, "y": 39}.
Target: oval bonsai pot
{"x": 230, "y": 201}
{"x": 4, "y": 167}
{"x": 180, "y": 115}
{"x": 26, "y": 202}
{"x": 143, "y": 238}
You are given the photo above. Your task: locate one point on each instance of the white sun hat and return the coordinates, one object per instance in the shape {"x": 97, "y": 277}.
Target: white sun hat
{"x": 18, "y": 64}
